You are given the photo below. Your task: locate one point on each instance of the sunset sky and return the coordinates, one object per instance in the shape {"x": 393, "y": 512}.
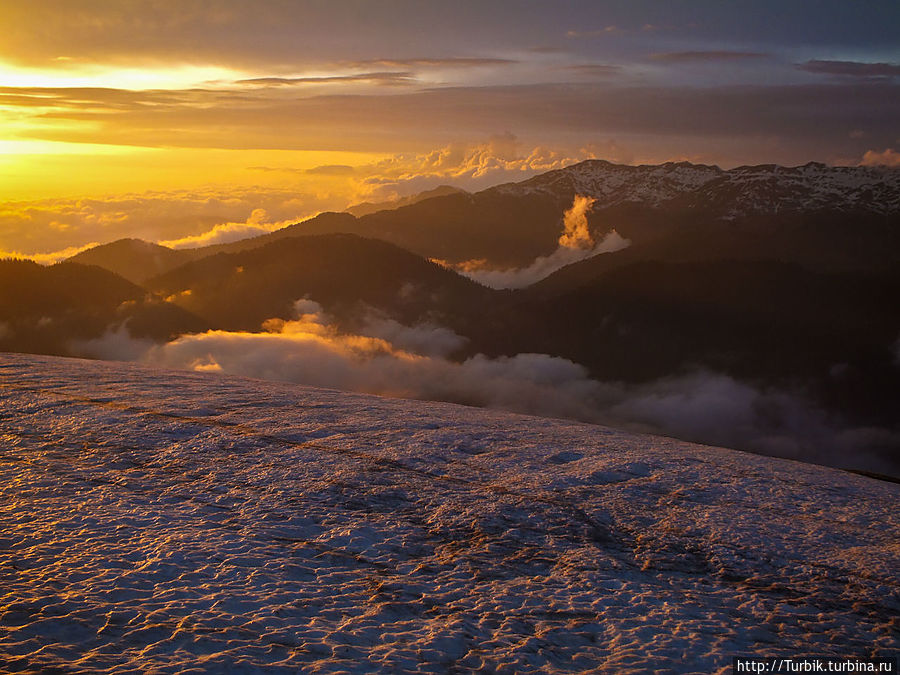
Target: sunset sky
{"x": 190, "y": 122}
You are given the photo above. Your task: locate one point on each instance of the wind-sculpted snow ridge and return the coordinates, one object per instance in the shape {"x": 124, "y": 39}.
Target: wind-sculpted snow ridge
{"x": 158, "y": 521}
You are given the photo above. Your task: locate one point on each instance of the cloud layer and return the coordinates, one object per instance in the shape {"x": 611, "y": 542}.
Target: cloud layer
{"x": 88, "y": 109}
{"x": 388, "y": 358}
{"x": 46, "y": 230}
{"x": 52, "y": 229}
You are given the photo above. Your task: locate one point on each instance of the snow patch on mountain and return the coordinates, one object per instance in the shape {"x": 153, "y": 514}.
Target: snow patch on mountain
{"x": 746, "y": 190}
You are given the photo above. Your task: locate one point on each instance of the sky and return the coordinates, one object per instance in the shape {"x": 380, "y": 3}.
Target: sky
{"x": 191, "y": 122}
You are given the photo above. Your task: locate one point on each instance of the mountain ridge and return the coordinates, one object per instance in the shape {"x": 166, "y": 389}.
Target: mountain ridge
{"x": 511, "y": 224}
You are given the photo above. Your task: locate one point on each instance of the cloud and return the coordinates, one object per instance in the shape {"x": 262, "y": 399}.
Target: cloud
{"x": 446, "y": 62}
{"x": 116, "y": 344}
{"x": 471, "y": 166}
{"x": 594, "y": 69}
{"x": 47, "y": 258}
{"x": 576, "y": 233}
{"x": 802, "y": 119}
{"x": 597, "y": 32}
{"x": 271, "y": 34}
{"x": 332, "y": 170}
{"x": 309, "y": 350}
{"x": 851, "y": 68}
{"x": 381, "y": 78}
{"x": 427, "y": 339}
{"x": 223, "y": 233}
{"x": 888, "y": 157}
{"x": 52, "y": 229}
{"x": 388, "y": 358}
{"x": 716, "y": 409}
{"x": 541, "y": 268}
{"x": 575, "y": 243}
{"x": 245, "y": 35}
{"x": 708, "y": 56}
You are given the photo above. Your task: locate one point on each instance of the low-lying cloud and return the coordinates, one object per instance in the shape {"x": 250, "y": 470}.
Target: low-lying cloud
{"x": 311, "y": 350}
{"x": 387, "y": 358}
{"x": 49, "y": 257}
{"x": 575, "y": 243}
{"x": 257, "y": 223}
{"x": 716, "y": 409}
{"x": 53, "y": 229}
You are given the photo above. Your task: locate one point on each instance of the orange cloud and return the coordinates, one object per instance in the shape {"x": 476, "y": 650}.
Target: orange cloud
{"x": 48, "y": 258}
{"x": 469, "y": 166}
{"x": 258, "y": 223}
{"x": 888, "y": 157}
{"x": 47, "y": 230}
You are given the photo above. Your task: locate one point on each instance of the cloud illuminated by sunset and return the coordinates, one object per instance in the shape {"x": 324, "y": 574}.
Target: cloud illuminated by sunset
{"x": 136, "y": 103}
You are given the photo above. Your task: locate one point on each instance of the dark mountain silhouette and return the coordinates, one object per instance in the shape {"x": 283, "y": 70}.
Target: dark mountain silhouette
{"x": 827, "y": 218}
{"x": 748, "y": 318}
{"x": 780, "y": 277}
{"x": 771, "y": 323}
{"x": 345, "y": 273}
{"x": 133, "y": 259}
{"x": 864, "y": 243}
{"x": 366, "y": 208}
{"x": 49, "y": 309}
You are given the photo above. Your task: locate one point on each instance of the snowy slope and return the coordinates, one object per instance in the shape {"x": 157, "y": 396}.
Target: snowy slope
{"x": 161, "y": 521}
{"x": 745, "y": 190}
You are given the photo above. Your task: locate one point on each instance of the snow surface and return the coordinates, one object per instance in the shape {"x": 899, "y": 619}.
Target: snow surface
{"x": 161, "y": 521}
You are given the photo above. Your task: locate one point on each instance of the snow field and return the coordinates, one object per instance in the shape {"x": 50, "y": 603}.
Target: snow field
{"x": 161, "y": 521}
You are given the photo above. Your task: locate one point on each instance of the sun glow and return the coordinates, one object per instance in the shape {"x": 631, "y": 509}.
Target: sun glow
{"x": 47, "y": 169}
{"x": 62, "y": 135}
{"x": 73, "y": 74}
{"x": 9, "y": 148}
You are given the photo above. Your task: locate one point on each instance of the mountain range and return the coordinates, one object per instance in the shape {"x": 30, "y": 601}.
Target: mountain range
{"x": 782, "y": 278}
{"x": 830, "y": 217}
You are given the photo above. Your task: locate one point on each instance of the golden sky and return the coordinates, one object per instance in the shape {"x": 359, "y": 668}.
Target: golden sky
{"x": 163, "y": 120}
